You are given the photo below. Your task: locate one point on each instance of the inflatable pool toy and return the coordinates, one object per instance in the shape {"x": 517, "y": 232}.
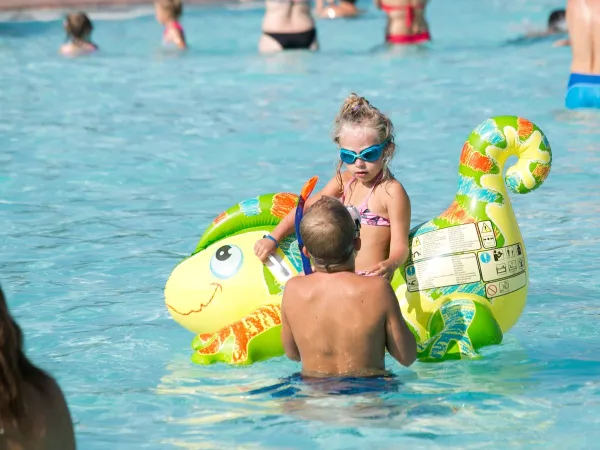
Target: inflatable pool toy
{"x": 463, "y": 286}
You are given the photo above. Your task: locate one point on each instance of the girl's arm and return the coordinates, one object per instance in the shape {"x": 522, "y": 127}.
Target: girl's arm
{"x": 264, "y": 247}
{"x": 398, "y": 208}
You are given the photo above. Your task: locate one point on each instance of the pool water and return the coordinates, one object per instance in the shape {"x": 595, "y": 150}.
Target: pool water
{"x": 111, "y": 166}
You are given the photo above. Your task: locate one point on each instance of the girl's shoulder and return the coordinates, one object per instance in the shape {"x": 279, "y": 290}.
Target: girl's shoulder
{"x": 391, "y": 188}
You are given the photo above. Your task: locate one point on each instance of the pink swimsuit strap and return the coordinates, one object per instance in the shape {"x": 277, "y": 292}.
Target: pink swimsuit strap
{"x": 175, "y": 25}
{"x": 366, "y": 216}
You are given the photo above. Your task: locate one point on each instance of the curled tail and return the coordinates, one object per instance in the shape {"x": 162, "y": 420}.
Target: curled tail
{"x": 488, "y": 147}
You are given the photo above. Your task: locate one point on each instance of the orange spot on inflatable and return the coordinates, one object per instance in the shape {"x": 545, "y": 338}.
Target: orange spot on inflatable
{"x": 220, "y": 218}
{"x": 475, "y": 160}
{"x": 283, "y": 203}
{"x": 541, "y": 171}
{"x": 242, "y": 332}
{"x": 525, "y": 128}
{"x": 455, "y": 214}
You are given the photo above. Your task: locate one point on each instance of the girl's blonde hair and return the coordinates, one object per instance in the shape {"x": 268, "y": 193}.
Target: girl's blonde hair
{"x": 173, "y": 8}
{"x": 357, "y": 111}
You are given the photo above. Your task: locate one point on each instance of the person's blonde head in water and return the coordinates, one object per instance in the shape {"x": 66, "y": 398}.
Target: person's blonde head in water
{"x": 78, "y": 27}
{"x": 167, "y": 10}
{"x": 356, "y": 113}
{"x": 329, "y": 234}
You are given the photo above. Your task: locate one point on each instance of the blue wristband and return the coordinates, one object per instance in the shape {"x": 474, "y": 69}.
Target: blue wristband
{"x": 268, "y": 236}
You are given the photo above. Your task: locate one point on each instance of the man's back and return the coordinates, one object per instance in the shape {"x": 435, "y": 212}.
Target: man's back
{"x": 341, "y": 324}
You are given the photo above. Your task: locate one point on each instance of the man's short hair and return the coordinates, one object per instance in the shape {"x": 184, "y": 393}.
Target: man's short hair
{"x": 557, "y": 20}
{"x": 328, "y": 232}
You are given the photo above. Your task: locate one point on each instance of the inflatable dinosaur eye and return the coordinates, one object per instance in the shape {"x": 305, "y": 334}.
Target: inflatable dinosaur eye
{"x": 226, "y": 261}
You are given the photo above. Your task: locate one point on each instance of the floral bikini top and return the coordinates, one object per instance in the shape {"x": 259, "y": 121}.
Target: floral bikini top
{"x": 366, "y": 216}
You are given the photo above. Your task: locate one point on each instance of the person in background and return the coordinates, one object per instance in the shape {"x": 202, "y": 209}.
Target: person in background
{"x": 33, "y": 410}
{"x": 406, "y": 23}
{"x": 79, "y": 29}
{"x": 583, "y": 21}
{"x": 288, "y": 25}
{"x": 345, "y": 8}
{"x": 168, "y": 13}
{"x": 557, "y": 26}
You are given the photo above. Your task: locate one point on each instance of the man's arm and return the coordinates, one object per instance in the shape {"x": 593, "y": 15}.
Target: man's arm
{"x": 400, "y": 341}
{"x": 287, "y": 337}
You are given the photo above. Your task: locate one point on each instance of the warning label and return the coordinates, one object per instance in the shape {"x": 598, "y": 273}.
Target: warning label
{"x": 443, "y": 271}
{"x": 503, "y": 287}
{"x": 502, "y": 262}
{"x": 457, "y": 239}
{"x": 487, "y": 234}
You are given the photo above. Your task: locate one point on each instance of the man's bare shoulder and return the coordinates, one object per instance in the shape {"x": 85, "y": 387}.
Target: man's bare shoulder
{"x": 377, "y": 289}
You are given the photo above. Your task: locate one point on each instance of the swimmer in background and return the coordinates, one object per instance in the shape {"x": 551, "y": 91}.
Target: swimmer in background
{"x": 406, "y": 23}
{"x": 557, "y": 25}
{"x": 288, "y": 25}
{"x": 345, "y": 8}
{"x": 79, "y": 28}
{"x": 583, "y": 21}
{"x": 33, "y": 410}
{"x": 168, "y": 13}
{"x": 338, "y": 323}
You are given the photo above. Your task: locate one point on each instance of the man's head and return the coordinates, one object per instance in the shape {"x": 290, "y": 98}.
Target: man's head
{"x": 329, "y": 235}
{"x": 557, "y": 21}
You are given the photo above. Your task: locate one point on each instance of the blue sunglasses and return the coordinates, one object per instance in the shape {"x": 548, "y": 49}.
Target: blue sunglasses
{"x": 369, "y": 154}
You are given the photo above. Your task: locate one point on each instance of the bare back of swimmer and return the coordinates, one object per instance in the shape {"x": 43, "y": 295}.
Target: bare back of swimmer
{"x": 583, "y": 21}
{"x": 406, "y": 21}
{"x": 288, "y": 24}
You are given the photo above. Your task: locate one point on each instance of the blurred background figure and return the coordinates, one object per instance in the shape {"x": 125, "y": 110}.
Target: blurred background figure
{"x": 33, "y": 410}
{"x": 344, "y": 8}
{"x": 287, "y": 25}
{"x": 79, "y": 29}
{"x": 406, "y": 23}
{"x": 557, "y": 26}
{"x": 168, "y": 13}
{"x": 583, "y": 20}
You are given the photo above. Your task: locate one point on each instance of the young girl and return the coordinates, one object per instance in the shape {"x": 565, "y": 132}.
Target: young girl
{"x": 79, "y": 31}
{"x": 168, "y": 13}
{"x": 365, "y": 138}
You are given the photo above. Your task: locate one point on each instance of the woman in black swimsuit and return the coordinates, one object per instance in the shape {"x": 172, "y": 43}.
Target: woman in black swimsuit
{"x": 287, "y": 25}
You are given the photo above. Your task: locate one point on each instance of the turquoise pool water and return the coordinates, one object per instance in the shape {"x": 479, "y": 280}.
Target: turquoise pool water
{"x": 111, "y": 167}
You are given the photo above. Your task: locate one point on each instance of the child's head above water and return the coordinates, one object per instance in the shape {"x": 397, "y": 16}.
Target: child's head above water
{"x": 557, "y": 21}
{"x": 168, "y": 10}
{"x": 78, "y": 26}
{"x": 358, "y": 126}
{"x": 329, "y": 234}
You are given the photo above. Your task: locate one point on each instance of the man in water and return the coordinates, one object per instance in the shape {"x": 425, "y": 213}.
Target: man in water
{"x": 334, "y": 321}
{"x": 557, "y": 26}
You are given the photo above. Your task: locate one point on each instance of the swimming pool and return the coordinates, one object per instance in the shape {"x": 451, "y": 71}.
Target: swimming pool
{"x": 111, "y": 167}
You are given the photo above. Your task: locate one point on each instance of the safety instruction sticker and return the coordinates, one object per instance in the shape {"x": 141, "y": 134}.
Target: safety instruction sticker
{"x": 443, "y": 271}
{"x": 502, "y": 262}
{"x": 502, "y": 269}
{"x": 457, "y": 239}
{"x": 503, "y": 287}
{"x": 487, "y": 234}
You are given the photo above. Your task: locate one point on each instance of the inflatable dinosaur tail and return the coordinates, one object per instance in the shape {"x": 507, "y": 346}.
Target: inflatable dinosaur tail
{"x": 466, "y": 277}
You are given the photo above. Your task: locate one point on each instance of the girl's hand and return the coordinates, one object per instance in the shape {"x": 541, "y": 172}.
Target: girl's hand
{"x": 384, "y": 269}
{"x": 263, "y": 248}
